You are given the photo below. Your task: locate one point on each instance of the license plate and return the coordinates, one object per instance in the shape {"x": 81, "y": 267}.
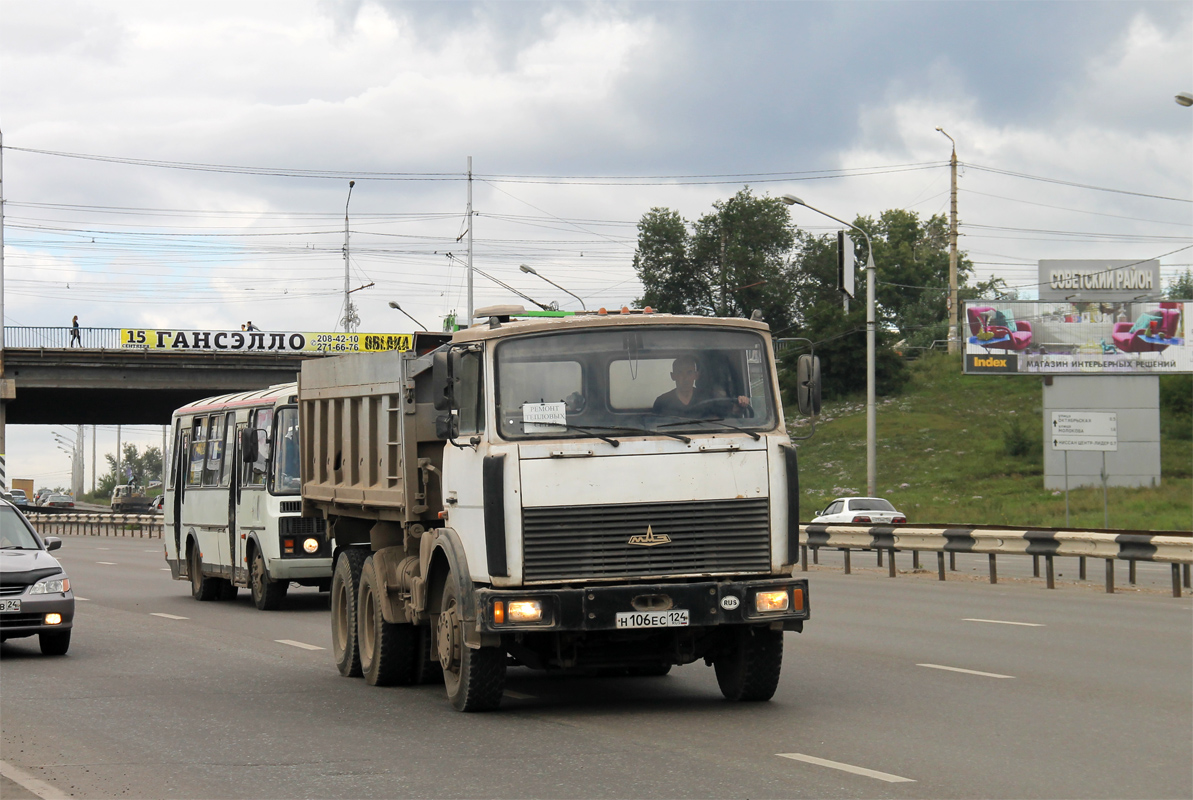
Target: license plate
{"x": 674, "y": 618}
{"x": 10, "y": 605}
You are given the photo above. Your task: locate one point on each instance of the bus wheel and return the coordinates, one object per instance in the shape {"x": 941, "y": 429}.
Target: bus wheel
{"x": 389, "y": 651}
{"x": 748, "y": 668}
{"x": 201, "y": 588}
{"x": 345, "y": 582}
{"x": 267, "y": 595}
{"x": 474, "y": 677}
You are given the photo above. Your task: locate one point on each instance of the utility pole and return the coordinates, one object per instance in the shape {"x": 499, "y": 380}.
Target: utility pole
{"x": 468, "y": 321}
{"x": 77, "y": 464}
{"x": 348, "y": 310}
{"x": 6, "y": 388}
{"x": 954, "y": 334}
{"x": 93, "y": 459}
{"x": 724, "y": 277}
{"x": 119, "y": 455}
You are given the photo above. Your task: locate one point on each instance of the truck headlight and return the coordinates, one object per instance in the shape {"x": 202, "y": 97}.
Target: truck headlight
{"x": 525, "y": 610}
{"x": 310, "y": 545}
{"x": 771, "y": 601}
{"x": 58, "y": 585}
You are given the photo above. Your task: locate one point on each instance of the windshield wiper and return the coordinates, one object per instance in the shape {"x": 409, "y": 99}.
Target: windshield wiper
{"x": 648, "y": 432}
{"x": 721, "y": 420}
{"x": 16, "y": 547}
{"x": 589, "y": 431}
{"x": 609, "y": 428}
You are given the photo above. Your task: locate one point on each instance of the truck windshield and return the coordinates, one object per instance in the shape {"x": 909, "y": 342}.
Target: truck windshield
{"x": 670, "y": 380}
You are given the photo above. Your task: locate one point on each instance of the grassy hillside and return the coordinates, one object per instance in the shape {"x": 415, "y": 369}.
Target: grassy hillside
{"x": 955, "y": 448}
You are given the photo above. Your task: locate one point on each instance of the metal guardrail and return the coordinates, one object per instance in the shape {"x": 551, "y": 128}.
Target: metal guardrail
{"x": 1167, "y": 547}
{"x": 135, "y": 526}
{"x": 34, "y": 337}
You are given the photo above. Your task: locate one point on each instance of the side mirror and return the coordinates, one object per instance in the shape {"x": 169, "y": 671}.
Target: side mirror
{"x": 446, "y": 426}
{"x": 248, "y": 445}
{"x": 441, "y": 381}
{"x": 807, "y": 388}
{"x": 52, "y": 543}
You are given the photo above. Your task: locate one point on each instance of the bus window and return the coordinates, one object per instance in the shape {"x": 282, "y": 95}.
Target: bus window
{"x": 286, "y": 479}
{"x": 215, "y": 450}
{"x": 229, "y": 441}
{"x": 254, "y": 474}
{"x": 198, "y": 452}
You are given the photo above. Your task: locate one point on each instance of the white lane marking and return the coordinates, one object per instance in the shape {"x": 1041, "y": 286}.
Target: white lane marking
{"x": 166, "y": 616}
{"x": 164, "y": 569}
{"x": 84, "y": 599}
{"x": 303, "y": 645}
{"x": 1005, "y": 622}
{"x": 966, "y": 671}
{"x": 869, "y": 773}
{"x": 518, "y": 695}
{"x": 36, "y": 785}
{"x": 109, "y": 563}
{"x": 103, "y": 548}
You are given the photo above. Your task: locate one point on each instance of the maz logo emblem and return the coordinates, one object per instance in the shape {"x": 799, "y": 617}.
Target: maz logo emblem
{"x": 650, "y": 540}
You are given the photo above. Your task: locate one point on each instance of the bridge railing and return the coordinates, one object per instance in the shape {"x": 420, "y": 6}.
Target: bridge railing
{"x": 89, "y": 338}
{"x": 135, "y": 526}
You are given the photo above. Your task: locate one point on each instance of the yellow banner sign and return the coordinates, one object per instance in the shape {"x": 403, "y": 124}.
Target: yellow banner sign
{"x": 264, "y": 341}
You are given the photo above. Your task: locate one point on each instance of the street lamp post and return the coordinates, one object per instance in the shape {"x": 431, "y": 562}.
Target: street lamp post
{"x": 530, "y": 271}
{"x": 397, "y": 307}
{"x": 871, "y": 408}
{"x": 954, "y": 332}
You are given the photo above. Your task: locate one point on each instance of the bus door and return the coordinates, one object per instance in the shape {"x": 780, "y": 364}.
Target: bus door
{"x": 227, "y": 481}
{"x": 250, "y": 490}
{"x": 178, "y": 482}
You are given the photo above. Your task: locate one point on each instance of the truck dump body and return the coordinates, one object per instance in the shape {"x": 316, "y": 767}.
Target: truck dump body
{"x": 586, "y": 491}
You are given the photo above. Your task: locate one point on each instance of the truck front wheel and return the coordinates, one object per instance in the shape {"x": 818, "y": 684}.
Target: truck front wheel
{"x": 474, "y": 677}
{"x": 748, "y": 668}
{"x": 389, "y": 652}
{"x": 345, "y": 582}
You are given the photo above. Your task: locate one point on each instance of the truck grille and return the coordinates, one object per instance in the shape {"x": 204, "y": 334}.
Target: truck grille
{"x": 582, "y": 542}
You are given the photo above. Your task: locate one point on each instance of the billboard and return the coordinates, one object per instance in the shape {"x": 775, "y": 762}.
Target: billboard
{"x": 1077, "y": 338}
{"x": 263, "y": 341}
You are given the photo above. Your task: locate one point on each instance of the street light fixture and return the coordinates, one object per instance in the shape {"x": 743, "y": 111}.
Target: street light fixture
{"x": 871, "y": 408}
{"x": 530, "y": 271}
{"x": 1185, "y": 99}
{"x": 397, "y": 307}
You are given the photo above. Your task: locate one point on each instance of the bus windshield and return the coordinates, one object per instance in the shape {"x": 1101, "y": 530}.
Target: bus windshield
{"x": 669, "y": 380}
{"x": 286, "y": 478}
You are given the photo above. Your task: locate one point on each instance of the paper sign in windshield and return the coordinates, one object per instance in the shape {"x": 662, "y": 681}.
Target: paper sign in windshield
{"x": 544, "y": 417}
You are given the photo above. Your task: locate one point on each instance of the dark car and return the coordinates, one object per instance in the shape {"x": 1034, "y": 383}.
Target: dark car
{"x": 35, "y": 595}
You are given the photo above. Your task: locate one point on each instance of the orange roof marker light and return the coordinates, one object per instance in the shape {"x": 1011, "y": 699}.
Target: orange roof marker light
{"x": 648, "y": 310}
{"x": 625, "y": 309}
{"x": 602, "y": 311}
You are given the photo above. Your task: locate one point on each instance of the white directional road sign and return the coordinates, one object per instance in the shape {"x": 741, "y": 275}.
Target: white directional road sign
{"x": 1084, "y": 430}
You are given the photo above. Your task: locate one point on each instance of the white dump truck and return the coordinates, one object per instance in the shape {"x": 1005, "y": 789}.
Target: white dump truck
{"x": 614, "y": 493}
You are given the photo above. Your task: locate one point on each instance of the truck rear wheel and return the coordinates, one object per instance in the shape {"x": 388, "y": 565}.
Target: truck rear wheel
{"x": 474, "y": 677}
{"x": 749, "y": 667}
{"x": 201, "y": 588}
{"x": 345, "y": 583}
{"x": 268, "y": 595}
{"x": 389, "y": 651}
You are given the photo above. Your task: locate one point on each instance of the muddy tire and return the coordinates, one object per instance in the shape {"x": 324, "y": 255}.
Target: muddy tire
{"x": 474, "y": 677}
{"x": 202, "y": 588}
{"x": 268, "y": 595}
{"x": 389, "y": 651}
{"x": 345, "y": 583}
{"x": 749, "y": 667}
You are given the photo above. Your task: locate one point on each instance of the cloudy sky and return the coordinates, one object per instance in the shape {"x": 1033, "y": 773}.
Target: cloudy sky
{"x": 187, "y": 165}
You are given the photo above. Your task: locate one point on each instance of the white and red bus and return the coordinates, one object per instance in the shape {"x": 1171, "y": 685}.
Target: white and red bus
{"x": 232, "y": 507}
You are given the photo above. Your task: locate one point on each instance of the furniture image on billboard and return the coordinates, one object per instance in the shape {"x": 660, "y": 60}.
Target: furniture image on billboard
{"x": 1151, "y": 333}
{"x": 1004, "y": 332}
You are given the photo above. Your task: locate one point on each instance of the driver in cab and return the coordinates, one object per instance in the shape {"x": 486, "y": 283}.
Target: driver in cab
{"x": 689, "y": 400}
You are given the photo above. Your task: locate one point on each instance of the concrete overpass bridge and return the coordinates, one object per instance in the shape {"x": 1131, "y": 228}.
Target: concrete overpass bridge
{"x": 43, "y": 380}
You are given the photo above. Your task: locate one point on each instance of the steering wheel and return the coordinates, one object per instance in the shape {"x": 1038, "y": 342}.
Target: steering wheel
{"x": 723, "y": 407}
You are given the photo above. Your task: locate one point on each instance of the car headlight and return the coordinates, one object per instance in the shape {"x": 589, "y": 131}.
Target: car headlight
{"x": 771, "y": 601}
{"x": 56, "y": 585}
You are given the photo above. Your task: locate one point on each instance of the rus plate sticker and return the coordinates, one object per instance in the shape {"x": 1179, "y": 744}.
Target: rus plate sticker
{"x": 540, "y": 417}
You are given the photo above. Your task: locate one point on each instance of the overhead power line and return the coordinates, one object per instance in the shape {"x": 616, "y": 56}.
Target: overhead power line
{"x": 1026, "y": 176}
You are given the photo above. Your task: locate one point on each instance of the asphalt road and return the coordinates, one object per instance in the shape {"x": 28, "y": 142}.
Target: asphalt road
{"x": 898, "y": 688}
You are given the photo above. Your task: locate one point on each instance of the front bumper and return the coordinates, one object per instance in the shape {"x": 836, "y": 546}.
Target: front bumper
{"x": 31, "y": 618}
{"x": 595, "y": 608}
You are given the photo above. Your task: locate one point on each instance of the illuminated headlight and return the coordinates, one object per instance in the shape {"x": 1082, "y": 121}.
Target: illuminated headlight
{"x": 59, "y": 585}
{"x": 53, "y": 619}
{"x": 310, "y": 545}
{"x": 517, "y": 611}
{"x": 771, "y": 601}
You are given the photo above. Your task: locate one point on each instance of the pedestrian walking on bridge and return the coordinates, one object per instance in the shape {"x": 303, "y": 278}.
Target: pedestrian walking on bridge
{"x": 74, "y": 332}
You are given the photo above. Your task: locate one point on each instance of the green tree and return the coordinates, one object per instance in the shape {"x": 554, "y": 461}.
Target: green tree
{"x": 1181, "y": 287}
{"x": 136, "y": 467}
{"x": 731, "y": 261}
